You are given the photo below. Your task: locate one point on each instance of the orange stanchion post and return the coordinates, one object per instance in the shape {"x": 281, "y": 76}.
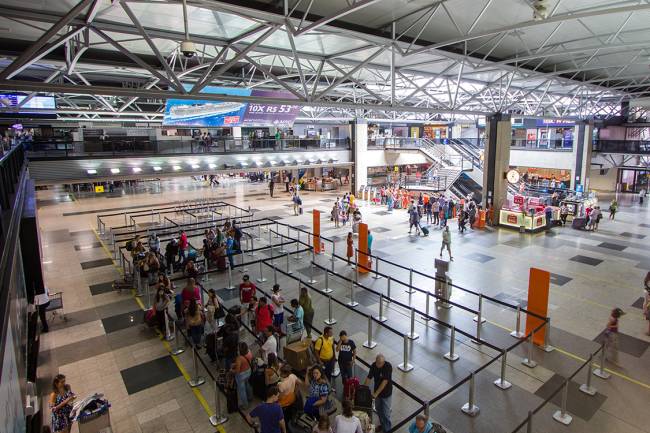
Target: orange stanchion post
{"x": 316, "y": 230}
{"x": 364, "y": 260}
{"x": 539, "y": 283}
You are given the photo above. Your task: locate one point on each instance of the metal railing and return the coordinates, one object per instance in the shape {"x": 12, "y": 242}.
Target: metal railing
{"x": 557, "y": 144}
{"x": 622, "y": 146}
{"x": 120, "y": 146}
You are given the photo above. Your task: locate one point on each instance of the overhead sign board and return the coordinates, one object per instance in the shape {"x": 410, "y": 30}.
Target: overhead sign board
{"x": 197, "y": 112}
{"x": 555, "y": 123}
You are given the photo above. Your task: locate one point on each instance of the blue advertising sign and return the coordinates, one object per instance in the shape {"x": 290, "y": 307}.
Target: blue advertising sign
{"x": 555, "y": 123}
{"x": 181, "y": 112}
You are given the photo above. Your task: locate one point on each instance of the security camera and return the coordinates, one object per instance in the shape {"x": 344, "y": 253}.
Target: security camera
{"x": 188, "y": 49}
{"x": 540, "y": 10}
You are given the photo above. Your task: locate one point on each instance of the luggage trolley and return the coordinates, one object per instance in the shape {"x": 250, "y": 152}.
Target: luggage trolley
{"x": 56, "y": 304}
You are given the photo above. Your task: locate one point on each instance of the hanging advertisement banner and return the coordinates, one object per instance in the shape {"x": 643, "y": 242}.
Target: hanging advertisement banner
{"x": 197, "y": 112}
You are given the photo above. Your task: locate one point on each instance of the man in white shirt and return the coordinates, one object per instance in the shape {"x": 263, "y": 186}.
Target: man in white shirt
{"x": 270, "y": 345}
{"x": 42, "y": 301}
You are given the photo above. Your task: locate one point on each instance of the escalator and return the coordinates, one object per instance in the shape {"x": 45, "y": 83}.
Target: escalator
{"x": 464, "y": 186}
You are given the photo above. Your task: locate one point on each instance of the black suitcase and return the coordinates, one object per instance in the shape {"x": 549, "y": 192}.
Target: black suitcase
{"x": 213, "y": 345}
{"x": 231, "y": 399}
{"x": 425, "y": 231}
{"x": 363, "y": 398}
{"x": 258, "y": 384}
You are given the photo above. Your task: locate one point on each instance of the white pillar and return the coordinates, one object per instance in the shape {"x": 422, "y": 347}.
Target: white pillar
{"x": 360, "y": 147}
{"x": 236, "y": 131}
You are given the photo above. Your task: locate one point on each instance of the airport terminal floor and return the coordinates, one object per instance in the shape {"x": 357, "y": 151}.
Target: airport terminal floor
{"x": 103, "y": 346}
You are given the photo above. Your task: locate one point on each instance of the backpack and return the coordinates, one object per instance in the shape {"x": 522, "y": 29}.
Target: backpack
{"x": 129, "y": 245}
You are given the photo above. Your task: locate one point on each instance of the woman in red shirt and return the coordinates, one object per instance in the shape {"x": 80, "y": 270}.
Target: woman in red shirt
{"x": 263, "y": 315}
{"x": 190, "y": 291}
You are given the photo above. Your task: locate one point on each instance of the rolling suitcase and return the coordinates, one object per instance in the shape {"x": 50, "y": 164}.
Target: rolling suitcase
{"x": 258, "y": 383}
{"x": 425, "y": 231}
{"x": 350, "y": 388}
{"x": 363, "y": 399}
{"x": 232, "y": 400}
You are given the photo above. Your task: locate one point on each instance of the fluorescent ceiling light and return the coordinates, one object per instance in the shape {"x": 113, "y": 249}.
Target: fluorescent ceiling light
{"x": 212, "y": 165}
{"x": 176, "y": 167}
{"x": 91, "y": 171}
{"x": 137, "y": 169}
{"x": 196, "y": 166}
{"x": 115, "y": 170}
{"x": 156, "y": 168}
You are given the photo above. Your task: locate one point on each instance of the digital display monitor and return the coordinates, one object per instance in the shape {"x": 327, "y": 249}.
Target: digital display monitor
{"x": 197, "y": 112}
{"x": 12, "y": 100}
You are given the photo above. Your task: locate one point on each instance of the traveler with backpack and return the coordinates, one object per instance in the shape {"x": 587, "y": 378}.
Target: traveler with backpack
{"x": 324, "y": 348}
{"x": 381, "y": 373}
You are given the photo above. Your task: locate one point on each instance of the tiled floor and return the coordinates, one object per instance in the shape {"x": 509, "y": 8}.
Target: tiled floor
{"x": 104, "y": 346}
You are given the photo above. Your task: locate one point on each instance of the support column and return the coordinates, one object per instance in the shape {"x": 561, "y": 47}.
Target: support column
{"x": 582, "y": 151}
{"x": 496, "y": 162}
{"x": 359, "y": 148}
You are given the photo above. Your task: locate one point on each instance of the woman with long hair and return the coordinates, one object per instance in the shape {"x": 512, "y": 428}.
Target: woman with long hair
{"x": 61, "y": 399}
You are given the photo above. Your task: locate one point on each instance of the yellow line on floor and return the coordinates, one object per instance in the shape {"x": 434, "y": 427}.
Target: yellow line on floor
{"x": 197, "y": 392}
{"x": 580, "y": 359}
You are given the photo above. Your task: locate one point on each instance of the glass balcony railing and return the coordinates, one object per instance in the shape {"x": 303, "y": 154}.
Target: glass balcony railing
{"x": 144, "y": 146}
{"x": 622, "y": 146}
{"x": 557, "y": 145}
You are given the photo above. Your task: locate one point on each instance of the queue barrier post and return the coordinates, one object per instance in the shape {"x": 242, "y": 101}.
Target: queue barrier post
{"x": 517, "y": 332}
{"x": 333, "y": 254}
{"x": 275, "y": 274}
{"x": 242, "y": 268}
{"x": 502, "y": 382}
{"x": 451, "y": 356}
{"x": 547, "y": 346}
{"x": 231, "y": 286}
{"x": 425, "y": 316}
{"x": 196, "y": 380}
{"x": 479, "y": 317}
{"x": 205, "y": 269}
{"x": 381, "y": 318}
{"x": 561, "y": 415}
{"x": 352, "y": 302}
{"x": 410, "y": 290}
{"x": 282, "y": 250}
{"x": 600, "y": 371}
{"x": 586, "y": 387}
{"x": 330, "y": 320}
{"x": 529, "y": 422}
{"x": 179, "y": 344}
{"x": 529, "y": 361}
{"x": 388, "y": 288}
{"x": 218, "y": 418}
{"x": 412, "y": 334}
{"x": 470, "y": 408}
{"x": 377, "y": 276}
{"x": 327, "y": 289}
{"x": 370, "y": 344}
{"x": 289, "y": 271}
{"x": 405, "y": 366}
{"x": 251, "y": 252}
{"x": 261, "y": 279}
{"x": 297, "y": 256}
